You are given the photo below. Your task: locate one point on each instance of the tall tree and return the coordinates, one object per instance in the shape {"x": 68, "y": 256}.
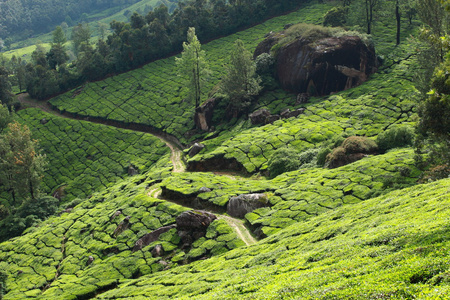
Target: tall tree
{"x": 192, "y": 66}
{"x": 370, "y": 9}
{"x": 6, "y": 117}
{"x": 80, "y": 34}
{"x": 57, "y": 54}
{"x": 240, "y": 84}
{"x": 21, "y": 165}
{"x": 5, "y": 86}
{"x": 434, "y": 109}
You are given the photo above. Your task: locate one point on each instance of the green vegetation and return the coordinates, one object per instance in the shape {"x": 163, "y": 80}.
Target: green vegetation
{"x": 85, "y": 157}
{"x": 240, "y": 84}
{"x": 395, "y": 137}
{"x": 283, "y": 160}
{"x": 83, "y": 252}
{"x": 322, "y": 231}
{"x": 396, "y": 244}
{"x": 193, "y": 67}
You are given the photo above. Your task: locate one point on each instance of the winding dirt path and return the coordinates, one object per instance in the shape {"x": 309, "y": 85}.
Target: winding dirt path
{"x": 175, "y": 147}
{"x": 176, "y": 156}
{"x": 240, "y": 229}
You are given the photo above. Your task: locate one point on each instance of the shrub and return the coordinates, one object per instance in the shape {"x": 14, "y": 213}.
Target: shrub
{"x": 322, "y": 156}
{"x": 359, "y": 144}
{"x": 283, "y": 160}
{"x": 2, "y": 283}
{"x": 337, "y": 16}
{"x": 352, "y": 149}
{"x": 395, "y": 137}
{"x": 308, "y": 158}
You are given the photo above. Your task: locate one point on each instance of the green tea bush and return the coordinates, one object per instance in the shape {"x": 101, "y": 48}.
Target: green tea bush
{"x": 283, "y": 160}
{"x": 395, "y": 137}
{"x": 322, "y": 156}
{"x": 308, "y": 158}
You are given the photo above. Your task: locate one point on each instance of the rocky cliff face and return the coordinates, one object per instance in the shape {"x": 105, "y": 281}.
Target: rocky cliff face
{"x": 323, "y": 66}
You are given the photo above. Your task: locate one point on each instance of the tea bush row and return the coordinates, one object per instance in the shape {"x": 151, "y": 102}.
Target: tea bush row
{"x": 85, "y": 156}
{"x": 82, "y": 251}
{"x": 397, "y": 244}
{"x": 153, "y": 95}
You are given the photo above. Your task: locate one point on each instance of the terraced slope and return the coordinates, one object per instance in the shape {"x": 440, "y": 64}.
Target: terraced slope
{"x": 396, "y": 245}
{"x": 86, "y": 157}
{"x": 90, "y": 248}
{"x": 153, "y": 94}
{"x": 297, "y": 196}
{"x": 388, "y": 98}
{"x": 82, "y": 253}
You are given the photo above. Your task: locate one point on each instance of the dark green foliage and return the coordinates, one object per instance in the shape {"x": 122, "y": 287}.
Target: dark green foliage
{"x": 2, "y": 283}
{"x": 395, "y": 137}
{"x": 6, "y": 97}
{"x": 32, "y": 211}
{"x": 322, "y": 155}
{"x": 283, "y": 160}
{"x": 24, "y": 18}
{"x": 336, "y": 16}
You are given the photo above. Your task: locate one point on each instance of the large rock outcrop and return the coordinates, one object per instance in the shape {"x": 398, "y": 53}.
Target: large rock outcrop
{"x": 323, "y": 66}
{"x": 192, "y": 225}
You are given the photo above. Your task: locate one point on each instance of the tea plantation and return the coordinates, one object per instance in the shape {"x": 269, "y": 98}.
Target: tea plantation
{"x": 85, "y": 157}
{"x": 366, "y": 230}
{"x": 153, "y": 94}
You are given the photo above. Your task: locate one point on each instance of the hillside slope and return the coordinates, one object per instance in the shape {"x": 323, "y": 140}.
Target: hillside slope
{"x": 51, "y": 260}
{"x": 392, "y": 247}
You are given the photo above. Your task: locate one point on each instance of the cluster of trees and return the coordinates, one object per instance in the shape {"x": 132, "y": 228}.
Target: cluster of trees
{"x": 365, "y": 12}
{"x": 21, "y": 172}
{"x": 27, "y": 17}
{"x": 237, "y": 88}
{"x": 133, "y": 44}
{"x": 433, "y": 140}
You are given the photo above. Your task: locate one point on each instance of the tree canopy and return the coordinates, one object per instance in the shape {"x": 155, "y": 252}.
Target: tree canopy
{"x": 192, "y": 66}
{"x": 240, "y": 84}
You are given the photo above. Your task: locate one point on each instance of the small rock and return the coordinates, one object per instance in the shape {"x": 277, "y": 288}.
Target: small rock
{"x": 90, "y": 260}
{"x": 195, "y": 149}
{"x": 158, "y": 251}
{"x": 240, "y": 205}
{"x": 285, "y": 112}
{"x": 117, "y": 213}
{"x": 272, "y": 118}
{"x": 151, "y": 237}
{"x": 295, "y": 113}
{"x": 163, "y": 262}
{"x": 132, "y": 170}
{"x": 204, "y": 190}
{"x": 122, "y": 226}
{"x": 302, "y": 98}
